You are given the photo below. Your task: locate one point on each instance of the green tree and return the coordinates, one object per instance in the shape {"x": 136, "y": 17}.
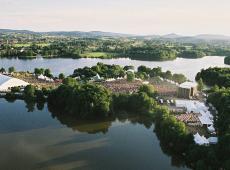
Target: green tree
{"x": 2, "y": 70}
{"x": 47, "y": 73}
{"x": 200, "y": 85}
{"x": 143, "y": 69}
{"x": 70, "y": 81}
{"x": 148, "y": 89}
{"x": 155, "y": 72}
{"x": 38, "y": 71}
{"x": 179, "y": 78}
{"x": 15, "y": 89}
{"x": 227, "y": 60}
{"x": 130, "y": 76}
{"x": 11, "y": 69}
{"x": 29, "y": 92}
{"x": 61, "y": 76}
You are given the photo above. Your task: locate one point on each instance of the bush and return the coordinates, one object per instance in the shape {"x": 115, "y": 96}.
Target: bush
{"x": 130, "y": 76}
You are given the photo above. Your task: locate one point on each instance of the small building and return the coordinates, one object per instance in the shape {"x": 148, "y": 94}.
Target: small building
{"x": 187, "y": 90}
{"x": 6, "y": 83}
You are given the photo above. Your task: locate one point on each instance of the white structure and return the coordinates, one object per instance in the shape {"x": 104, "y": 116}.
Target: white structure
{"x": 7, "y": 82}
{"x": 211, "y": 129}
{"x": 41, "y": 77}
{"x": 96, "y": 78}
{"x": 200, "y": 140}
{"x": 194, "y": 106}
{"x": 145, "y": 82}
{"x": 110, "y": 80}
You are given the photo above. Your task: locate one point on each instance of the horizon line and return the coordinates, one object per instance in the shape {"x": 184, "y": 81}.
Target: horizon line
{"x": 133, "y": 34}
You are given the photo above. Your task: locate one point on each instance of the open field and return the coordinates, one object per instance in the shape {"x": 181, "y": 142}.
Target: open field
{"x": 97, "y": 55}
{"x": 164, "y": 88}
{"x": 123, "y": 86}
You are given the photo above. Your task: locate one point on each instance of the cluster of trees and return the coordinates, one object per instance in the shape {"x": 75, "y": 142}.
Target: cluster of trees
{"x": 115, "y": 71}
{"x": 172, "y": 133}
{"x": 227, "y": 60}
{"x": 215, "y": 76}
{"x": 142, "y": 102}
{"x": 29, "y": 46}
{"x": 220, "y": 98}
{"x": 93, "y": 101}
{"x": 10, "y": 70}
{"x": 103, "y": 70}
{"x": 191, "y": 54}
{"x": 31, "y": 95}
{"x": 45, "y": 72}
{"x": 81, "y": 100}
{"x": 144, "y": 72}
{"x": 151, "y": 53}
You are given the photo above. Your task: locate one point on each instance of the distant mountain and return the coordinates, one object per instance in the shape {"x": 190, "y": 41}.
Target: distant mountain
{"x": 69, "y": 33}
{"x": 212, "y": 37}
{"x": 171, "y": 37}
{"x": 86, "y": 34}
{"x": 16, "y": 31}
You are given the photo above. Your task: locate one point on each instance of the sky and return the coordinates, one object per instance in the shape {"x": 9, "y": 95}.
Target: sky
{"x": 142, "y": 17}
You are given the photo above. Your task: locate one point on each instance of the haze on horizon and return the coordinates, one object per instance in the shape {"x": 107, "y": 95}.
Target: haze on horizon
{"x": 123, "y": 16}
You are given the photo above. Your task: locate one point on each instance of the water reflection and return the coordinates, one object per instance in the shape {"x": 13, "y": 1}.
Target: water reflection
{"x": 99, "y": 125}
{"x": 45, "y": 140}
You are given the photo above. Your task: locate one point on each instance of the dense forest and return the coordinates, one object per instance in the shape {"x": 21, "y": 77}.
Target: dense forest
{"x": 30, "y": 46}
{"x": 227, "y": 60}
{"x": 215, "y": 76}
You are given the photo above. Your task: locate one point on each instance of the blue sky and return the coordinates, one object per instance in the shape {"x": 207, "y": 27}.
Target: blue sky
{"x": 186, "y": 17}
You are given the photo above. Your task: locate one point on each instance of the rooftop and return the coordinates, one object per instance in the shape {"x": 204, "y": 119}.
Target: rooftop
{"x": 4, "y": 78}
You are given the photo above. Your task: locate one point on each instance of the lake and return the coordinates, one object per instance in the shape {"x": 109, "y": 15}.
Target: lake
{"x": 40, "y": 140}
{"x": 188, "y": 67}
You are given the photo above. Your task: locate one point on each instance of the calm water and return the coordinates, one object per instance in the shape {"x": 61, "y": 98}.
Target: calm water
{"x": 37, "y": 140}
{"x": 189, "y": 67}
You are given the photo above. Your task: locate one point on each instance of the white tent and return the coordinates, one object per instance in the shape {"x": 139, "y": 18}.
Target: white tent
{"x": 41, "y": 77}
{"x": 205, "y": 120}
{"x": 7, "y": 82}
{"x": 110, "y": 80}
{"x": 211, "y": 128}
{"x": 200, "y": 140}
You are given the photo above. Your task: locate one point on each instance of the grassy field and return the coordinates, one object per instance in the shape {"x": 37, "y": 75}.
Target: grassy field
{"x": 98, "y": 55}
{"x": 22, "y": 45}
